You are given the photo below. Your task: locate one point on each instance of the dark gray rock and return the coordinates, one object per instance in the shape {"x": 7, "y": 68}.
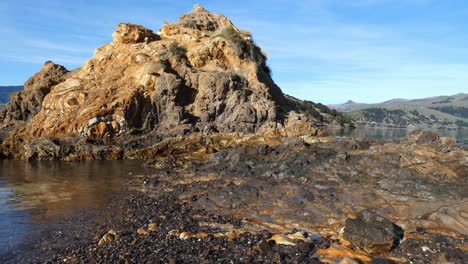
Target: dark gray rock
{"x": 372, "y": 233}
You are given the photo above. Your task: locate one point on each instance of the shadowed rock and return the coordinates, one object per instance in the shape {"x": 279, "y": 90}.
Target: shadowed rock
{"x": 372, "y": 233}
{"x": 198, "y": 75}
{"x": 27, "y": 103}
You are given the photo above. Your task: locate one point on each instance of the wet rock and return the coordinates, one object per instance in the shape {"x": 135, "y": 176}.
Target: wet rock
{"x": 42, "y": 149}
{"x": 371, "y": 232}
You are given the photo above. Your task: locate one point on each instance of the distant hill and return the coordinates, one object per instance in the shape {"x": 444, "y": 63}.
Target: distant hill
{"x": 440, "y": 112}
{"x": 5, "y": 92}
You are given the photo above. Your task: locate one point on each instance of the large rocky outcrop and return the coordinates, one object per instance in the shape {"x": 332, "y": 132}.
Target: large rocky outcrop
{"x": 201, "y": 74}
{"x": 25, "y": 104}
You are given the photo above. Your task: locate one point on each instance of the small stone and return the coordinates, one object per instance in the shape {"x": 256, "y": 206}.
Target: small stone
{"x": 265, "y": 246}
{"x": 216, "y": 248}
{"x": 282, "y": 240}
{"x": 110, "y": 236}
{"x": 185, "y": 235}
{"x": 426, "y": 249}
{"x": 342, "y": 156}
{"x": 152, "y": 227}
{"x": 174, "y": 232}
{"x": 202, "y": 235}
{"x": 142, "y": 232}
{"x": 277, "y": 258}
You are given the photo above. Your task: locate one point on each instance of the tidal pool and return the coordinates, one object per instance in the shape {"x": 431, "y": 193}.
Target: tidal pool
{"x": 31, "y": 193}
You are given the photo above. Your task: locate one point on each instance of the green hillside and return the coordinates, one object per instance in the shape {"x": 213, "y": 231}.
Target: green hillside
{"x": 441, "y": 111}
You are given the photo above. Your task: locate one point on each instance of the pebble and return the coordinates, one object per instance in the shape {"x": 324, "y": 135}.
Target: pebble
{"x": 152, "y": 227}
{"x": 185, "y": 235}
{"x": 142, "y": 232}
{"x": 110, "y": 236}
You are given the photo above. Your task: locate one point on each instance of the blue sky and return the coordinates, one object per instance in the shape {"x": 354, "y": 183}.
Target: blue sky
{"x": 327, "y": 51}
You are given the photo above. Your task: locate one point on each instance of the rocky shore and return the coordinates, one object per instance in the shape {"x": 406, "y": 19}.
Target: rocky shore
{"x": 244, "y": 173}
{"x": 293, "y": 200}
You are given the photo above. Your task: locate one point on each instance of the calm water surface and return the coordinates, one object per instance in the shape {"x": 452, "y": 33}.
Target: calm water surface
{"x": 396, "y": 133}
{"x": 31, "y": 193}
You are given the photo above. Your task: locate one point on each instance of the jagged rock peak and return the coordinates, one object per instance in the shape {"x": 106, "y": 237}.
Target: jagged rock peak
{"x": 199, "y": 8}
{"x": 127, "y": 33}
{"x": 203, "y": 20}
{"x": 25, "y": 104}
{"x": 49, "y": 75}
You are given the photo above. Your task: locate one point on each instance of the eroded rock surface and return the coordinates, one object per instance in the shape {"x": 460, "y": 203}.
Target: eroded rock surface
{"x": 25, "y": 104}
{"x": 199, "y": 75}
{"x": 131, "y": 34}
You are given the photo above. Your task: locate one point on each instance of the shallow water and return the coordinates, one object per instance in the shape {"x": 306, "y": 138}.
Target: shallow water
{"x": 396, "y": 133}
{"x": 32, "y": 193}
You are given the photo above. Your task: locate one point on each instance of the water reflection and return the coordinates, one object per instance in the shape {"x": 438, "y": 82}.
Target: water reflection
{"x": 12, "y": 222}
{"x": 395, "y": 133}
{"x": 32, "y": 192}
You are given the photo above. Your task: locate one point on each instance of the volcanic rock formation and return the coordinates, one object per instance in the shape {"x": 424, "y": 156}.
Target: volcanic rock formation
{"x": 27, "y": 103}
{"x": 201, "y": 74}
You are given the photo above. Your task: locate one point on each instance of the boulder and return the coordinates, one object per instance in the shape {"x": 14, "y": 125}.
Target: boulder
{"x": 372, "y": 233}
{"x": 130, "y": 33}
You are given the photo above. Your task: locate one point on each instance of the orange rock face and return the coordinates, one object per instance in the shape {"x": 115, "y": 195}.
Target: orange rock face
{"x": 200, "y": 74}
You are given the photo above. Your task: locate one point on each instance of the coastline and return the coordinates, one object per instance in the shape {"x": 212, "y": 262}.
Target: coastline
{"x": 279, "y": 201}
